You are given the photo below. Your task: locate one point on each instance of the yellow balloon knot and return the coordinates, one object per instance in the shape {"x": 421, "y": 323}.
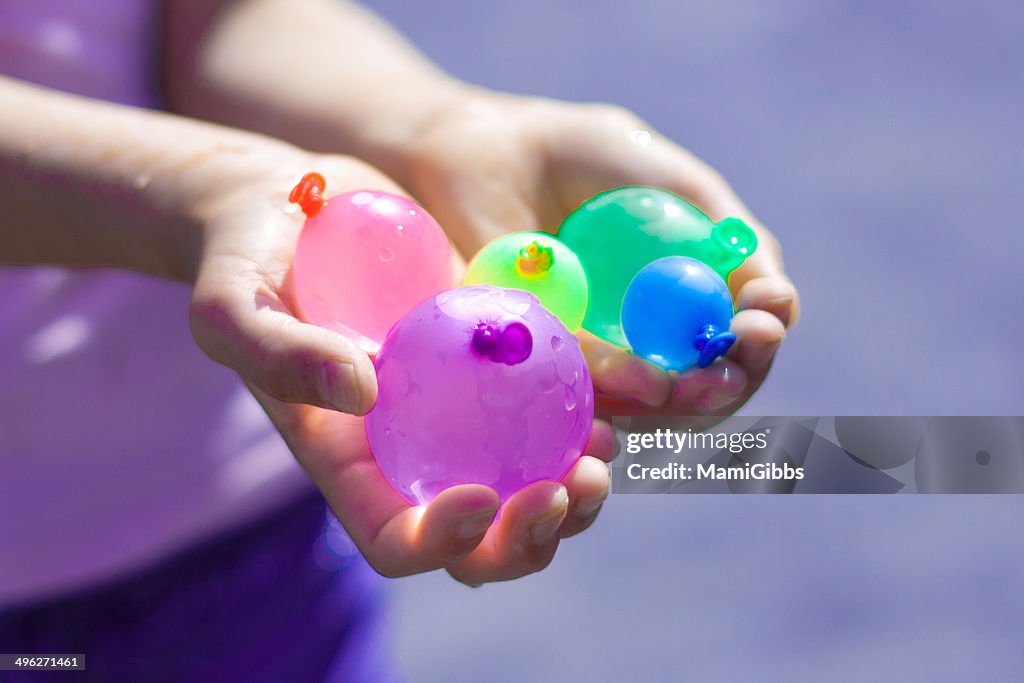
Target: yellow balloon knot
{"x": 535, "y": 260}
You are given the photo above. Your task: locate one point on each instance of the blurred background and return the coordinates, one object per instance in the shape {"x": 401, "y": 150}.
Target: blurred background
{"x": 883, "y": 144}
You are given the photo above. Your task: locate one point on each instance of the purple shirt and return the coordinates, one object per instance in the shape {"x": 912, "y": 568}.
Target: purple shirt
{"x": 120, "y": 442}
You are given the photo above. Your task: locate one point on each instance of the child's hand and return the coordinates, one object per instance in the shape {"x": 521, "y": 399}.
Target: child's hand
{"x": 209, "y": 206}
{"x": 455, "y": 530}
{"x": 90, "y": 183}
{"x": 240, "y": 312}
{"x": 483, "y": 163}
{"x": 241, "y": 317}
{"x": 492, "y": 163}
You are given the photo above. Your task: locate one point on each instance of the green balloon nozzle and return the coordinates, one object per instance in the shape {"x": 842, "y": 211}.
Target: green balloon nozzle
{"x": 732, "y": 241}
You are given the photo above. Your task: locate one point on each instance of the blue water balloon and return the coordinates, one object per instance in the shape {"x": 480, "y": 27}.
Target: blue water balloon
{"x": 677, "y": 312}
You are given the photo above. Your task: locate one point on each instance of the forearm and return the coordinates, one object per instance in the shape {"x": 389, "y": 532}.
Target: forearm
{"x": 89, "y": 183}
{"x": 325, "y": 74}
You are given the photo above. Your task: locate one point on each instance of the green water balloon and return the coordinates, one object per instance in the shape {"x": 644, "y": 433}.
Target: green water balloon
{"x": 540, "y": 264}
{"x": 619, "y": 232}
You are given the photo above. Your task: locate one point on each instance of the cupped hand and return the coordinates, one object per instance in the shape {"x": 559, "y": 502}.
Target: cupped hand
{"x": 314, "y": 383}
{"x": 493, "y": 163}
{"x": 241, "y": 312}
{"x": 457, "y": 530}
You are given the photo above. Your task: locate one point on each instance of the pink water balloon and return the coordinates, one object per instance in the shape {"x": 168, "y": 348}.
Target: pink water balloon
{"x": 365, "y": 259}
{"x": 479, "y": 385}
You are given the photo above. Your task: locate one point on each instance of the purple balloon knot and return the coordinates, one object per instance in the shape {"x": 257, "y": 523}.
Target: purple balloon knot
{"x": 510, "y": 345}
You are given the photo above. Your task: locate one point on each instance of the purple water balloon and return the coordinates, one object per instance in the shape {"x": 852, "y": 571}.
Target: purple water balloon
{"x": 479, "y": 385}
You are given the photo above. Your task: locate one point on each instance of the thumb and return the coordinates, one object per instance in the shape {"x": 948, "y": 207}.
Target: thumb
{"x": 239, "y": 320}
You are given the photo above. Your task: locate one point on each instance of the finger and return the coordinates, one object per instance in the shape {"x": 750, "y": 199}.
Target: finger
{"x": 621, "y": 375}
{"x": 405, "y": 539}
{"x": 451, "y": 526}
{"x": 395, "y": 537}
{"x": 776, "y": 295}
{"x": 239, "y": 321}
{"x": 611, "y": 147}
{"x": 524, "y": 539}
{"x": 698, "y": 391}
{"x": 587, "y": 484}
{"x": 758, "y": 336}
{"x": 633, "y": 154}
{"x": 602, "y": 443}
{"x": 763, "y": 271}
{"x": 703, "y": 391}
{"x": 689, "y": 177}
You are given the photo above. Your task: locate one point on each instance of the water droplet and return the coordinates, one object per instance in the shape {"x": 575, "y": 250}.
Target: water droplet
{"x": 412, "y": 212}
{"x": 556, "y": 343}
{"x": 141, "y": 181}
{"x": 570, "y": 398}
{"x": 641, "y": 138}
{"x": 547, "y": 377}
{"x": 386, "y": 254}
{"x": 401, "y": 230}
{"x": 566, "y": 370}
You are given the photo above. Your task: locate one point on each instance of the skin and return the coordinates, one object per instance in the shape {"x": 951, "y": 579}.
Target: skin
{"x": 89, "y": 183}
{"x": 205, "y": 205}
{"x": 544, "y": 157}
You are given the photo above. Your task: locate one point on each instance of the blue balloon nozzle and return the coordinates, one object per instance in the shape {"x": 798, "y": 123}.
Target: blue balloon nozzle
{"x": 711, "y": 344}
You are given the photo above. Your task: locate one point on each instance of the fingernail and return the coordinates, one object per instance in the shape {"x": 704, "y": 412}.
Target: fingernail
{"x": 779, "y": 301}
{"x": 338, "y": 386}
{"x": 760, "y": 356}
{"x": 474, "y": 525}
{"x": 762, "y": 296}
{"x": 780, "y": 307}
{"x": 712, "y": 400}
{"x": 544, "y": 529}
{"x": 588, "y": 505}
